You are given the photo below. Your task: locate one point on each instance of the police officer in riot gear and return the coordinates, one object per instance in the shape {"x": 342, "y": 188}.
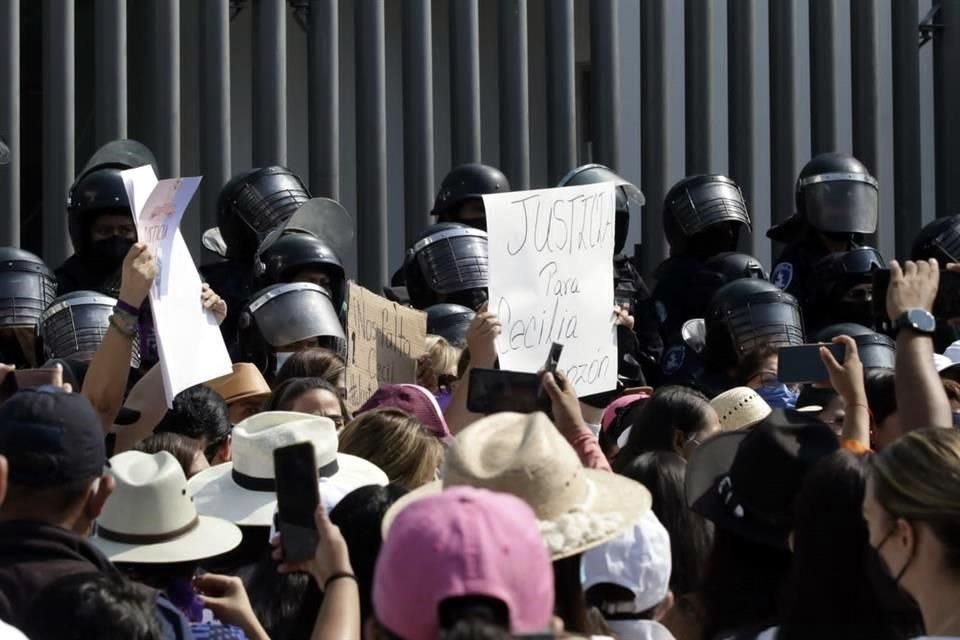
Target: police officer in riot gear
{"x": 27, "y": 287}
{"x": 732, "y": 266}
{"x": 630, "y": 290}
{"x": 100, "y": 220}
{"x": 876, "y": 350}
{"x": 939, "y": 239}
{"x": 73, "y": 326}
{"x": 448, "y": 264}
{"x": 460, "y": 198}
{"x": 285, "y": 318}
{"x": 837, "y": 204}
{"x": 299, "y": 256}
{"x": 842, "y": 288}
{"x": 450, "y": 322}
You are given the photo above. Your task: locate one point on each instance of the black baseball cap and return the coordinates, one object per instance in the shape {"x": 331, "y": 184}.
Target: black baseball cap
{"x": 51, "y": 438}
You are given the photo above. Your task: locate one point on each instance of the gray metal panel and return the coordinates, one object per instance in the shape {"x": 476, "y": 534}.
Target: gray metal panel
{"x": 215, "y": 113}
{"x": 907, "y": 203}
{"x": 514, "y": 94}
{"x": 323, "y": 79}
{"x": 418, "y": 154}
{"x": 823, "y": 88}
{"x": 464, "y": 81}
{"x": 270, "y": 83}
{"x": 10, "y": 121}
{"x": 165, "y": 94}
{"x": 371, "y": 143}
{"x": 703, "y": 28}
{"x": 58, "y": 125}
{"x": 605, "y": 83}
{"x": 110, "y": 58}
{"x": 947, "y": 106}
{"x": 747, "y": 24}
{"x": 561, "y": 90}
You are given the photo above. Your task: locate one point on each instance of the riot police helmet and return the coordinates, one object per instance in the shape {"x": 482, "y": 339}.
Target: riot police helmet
{"x": 939, "y": 239}
{"x": 284, "y": 318}
{"x": 73, "y": 326}
{"x": 704, "y": 214}
{"x": 842, "y": 286}
{"x": 835, "y": 193}
{"x": 463, "y": 183}
{"x": 254, "y": 203}
{"x": 876, "y": 350}
{"x": 302, "y": 257}
{"x": 627, "y": 194}
{"x": 450, "y": 322}
{"x": 448, "y": 263}
{"x": 27, "y": 287}
{"x": 731, "y": 266}
{"x": 748, "y": 314}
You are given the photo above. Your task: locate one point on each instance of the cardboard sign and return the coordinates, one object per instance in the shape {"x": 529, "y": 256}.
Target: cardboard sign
{"x": 384, "y": 341}
{"x": 551, "y": 280}
{"x": 189, "y": 341}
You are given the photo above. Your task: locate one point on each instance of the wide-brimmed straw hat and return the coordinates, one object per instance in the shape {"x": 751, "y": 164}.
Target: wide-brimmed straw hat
{"x": 150, "y": 518}
{"x": 244, "y": 491}
{"x": 525, "y": 455}
{"x": 740, "y": 408}
{"x": 244, "y": 382}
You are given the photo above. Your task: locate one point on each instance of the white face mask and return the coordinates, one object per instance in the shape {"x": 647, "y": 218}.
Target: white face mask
{"x": 281, "y": 358}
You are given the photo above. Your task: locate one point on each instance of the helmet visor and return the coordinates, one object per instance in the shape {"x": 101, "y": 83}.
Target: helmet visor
{"x": 773, "y": 323}
{"x": 293, "y": 312}
{"x": 23, "y": 297}
{"x": 454, "y": 260}
{"x": 841, "y": 203}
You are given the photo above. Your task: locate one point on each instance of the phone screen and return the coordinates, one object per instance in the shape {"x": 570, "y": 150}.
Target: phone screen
{"x": 31, "y": 378}
{"x": 297, "y": 499}
{"x": 802, "y": 363}
{"x": 494, "y": 391}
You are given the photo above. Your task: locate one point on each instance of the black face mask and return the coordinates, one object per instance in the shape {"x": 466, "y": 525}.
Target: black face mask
{"x": 620, "y": 230}
{"x": 110, "y": 251}
{"x": 714, "y": 240}
{"x": 885, "y": 585}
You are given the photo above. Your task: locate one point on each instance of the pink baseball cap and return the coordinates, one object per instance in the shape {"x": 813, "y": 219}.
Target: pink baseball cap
{"x": 412, "y": 399}
{"x": 614, "y": 408}
{"x": 463, "y": 542}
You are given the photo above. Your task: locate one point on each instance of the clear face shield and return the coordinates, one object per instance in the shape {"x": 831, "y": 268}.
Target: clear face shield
{"x": 841, "y": 202}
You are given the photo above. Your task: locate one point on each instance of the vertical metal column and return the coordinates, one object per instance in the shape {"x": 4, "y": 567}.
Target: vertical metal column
{"x": 371, "y": 143}
{"x": 464, "y": 81}
{"x": 417, "y": 117}
{"x": 58, "y": 125}
{"x": 561, "y": 90}
{"x": 907, "y": 162}
{"x": 946, "y": 61}
{"x": 784, "y": 95}
{"x": 605, "y": 80}
{"x": 165, "y": 116}
{"x": 700, "y": 84}
{"x": 514, "y": 94}
{"x": 215, "y": 141}
{"x": 110, "y": 75}
{"x": 864, "y": 47}
{"x": 323, "y": 81}
{"x": 823, "y": 92}
{"x": 270, "y": 83}
{"x": 10, "y": 121}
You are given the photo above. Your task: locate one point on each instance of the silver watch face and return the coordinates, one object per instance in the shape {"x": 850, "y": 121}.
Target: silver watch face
{"x": 922, "y": 320}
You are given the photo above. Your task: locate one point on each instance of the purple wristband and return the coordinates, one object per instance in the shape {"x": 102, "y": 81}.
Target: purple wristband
{"x": 127, "y": 308}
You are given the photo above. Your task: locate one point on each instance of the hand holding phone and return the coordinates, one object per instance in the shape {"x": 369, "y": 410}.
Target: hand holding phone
{"x": 298, "y": 496}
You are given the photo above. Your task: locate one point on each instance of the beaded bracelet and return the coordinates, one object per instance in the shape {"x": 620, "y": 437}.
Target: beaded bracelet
{"x": 128, "y": 331}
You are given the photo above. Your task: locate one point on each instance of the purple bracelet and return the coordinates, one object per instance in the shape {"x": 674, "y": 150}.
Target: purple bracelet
{"x": 127, "y": 308}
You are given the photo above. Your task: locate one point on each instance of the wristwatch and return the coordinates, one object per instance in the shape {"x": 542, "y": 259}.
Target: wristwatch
{"x": 918, "y": 320}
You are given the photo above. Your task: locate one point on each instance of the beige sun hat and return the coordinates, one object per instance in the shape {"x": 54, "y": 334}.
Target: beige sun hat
{"x": 525, "y": 455}
{"x": 244, "y": 491}
{"x": 740, "y": 408}
{"x": 149, "y": 518}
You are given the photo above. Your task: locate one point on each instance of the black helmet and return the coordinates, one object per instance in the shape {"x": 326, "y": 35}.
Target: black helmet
{"x": 627, "y": 193}
{"x": 836, "y": 194}
{"x": 447, "y": 263}
{"x": 99, "y": 188}
{"x": 466, "y": 182}
{"x": 747, "y": 314}
{"x": 27, "y": 287}
{"x": 876, "y": 350}
{"x": 450, "y": 322}
{"x": 700, "y": 203}
{"x": 73, "y": 326}
{"x": 284, "y": 314}
{"x": 842, "y": 287}
{"x": 294, "y": 251}
{"x": 253, "y": 204}
{"x": 733, "y": 266}
{"x": 939, "y": 239}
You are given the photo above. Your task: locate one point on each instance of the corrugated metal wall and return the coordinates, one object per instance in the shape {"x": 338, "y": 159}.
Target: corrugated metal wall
{"x": 374, "y": 100}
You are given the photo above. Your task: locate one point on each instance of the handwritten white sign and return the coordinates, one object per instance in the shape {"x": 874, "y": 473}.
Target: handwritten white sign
{"x": 551, "y": 280}
{"x": 189, "y": 341}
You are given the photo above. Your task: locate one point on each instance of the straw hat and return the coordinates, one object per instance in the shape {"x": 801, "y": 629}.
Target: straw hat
{"x": 149, "y": 518}
{"x": 740, "y": 408}
{"x": 525, "y": 455}
{"x": 245, "y": 382}
{"x": 244, "y": 491}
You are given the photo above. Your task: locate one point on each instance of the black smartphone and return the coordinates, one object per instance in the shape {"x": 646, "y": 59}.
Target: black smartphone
{"x": 945, "y": 306}
{"x": 298, "y": 496}
{"x": 550, "y": 366}
{"x": 802, "y": 363}
{"x": 494, "y": 390}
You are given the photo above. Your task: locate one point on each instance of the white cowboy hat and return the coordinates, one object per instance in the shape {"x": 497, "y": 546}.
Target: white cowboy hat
{"x": 525, "y": 455}
{"x": 149, "y": 518}
{"x": 243, "y": 491}
{"x": 740, "y": 408}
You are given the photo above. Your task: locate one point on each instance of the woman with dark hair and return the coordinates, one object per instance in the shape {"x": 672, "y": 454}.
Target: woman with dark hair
{"x": 310, "y": 395}
{"x": 834, "y": 590}
{"x": 315, "y": 362}
{"x": 675, "y": 418}
{"x": 885, "y": 424}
